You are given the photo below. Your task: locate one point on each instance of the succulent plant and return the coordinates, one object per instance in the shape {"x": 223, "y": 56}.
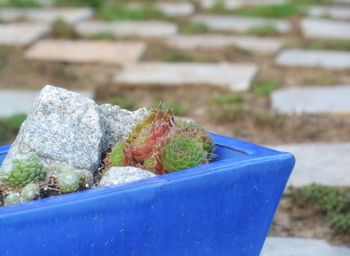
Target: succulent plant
{"x": 64, "y": 178}
{"x": 86, "y": 179}
{"x": 68, "y": 181}
{"x": 12, "y": 198}
{"x": 119, "y": 156}
{"x": 181, "y": 151}
{"x": 23, "y": 172}
{"x": 30, "y": 192}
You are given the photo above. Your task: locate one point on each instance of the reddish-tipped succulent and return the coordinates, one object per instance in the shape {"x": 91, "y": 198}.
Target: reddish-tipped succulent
{"x": 160, "y": 143}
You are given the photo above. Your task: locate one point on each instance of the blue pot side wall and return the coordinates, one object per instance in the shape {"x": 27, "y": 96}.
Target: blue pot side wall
{"x": 224, "y": 208}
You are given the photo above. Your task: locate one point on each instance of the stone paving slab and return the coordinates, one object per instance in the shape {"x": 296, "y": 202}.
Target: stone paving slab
{"x": 290, "y": 246}
{"x": 240, "y": 24}
{"x": 314, "y": 59}
{"x": 325, "y": 29}
{"x": 234, "y": 4}
{"x": 141, "y": 29}
{"x": 236, "y": 77}
{"x": 334, "y": 12}
{"x": 176, "y": 9}
{"x": 21, "y": 101}
{"x": 253, "y": 44}
{"x": 121, "y": 53}
{"x": 47, "y": 15}
{"x": 314, "y": 100}
{"x": 21, "y": 34}
{"x": 322, "y": 163}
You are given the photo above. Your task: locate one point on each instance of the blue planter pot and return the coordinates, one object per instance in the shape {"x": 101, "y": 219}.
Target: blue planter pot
{"x": 223, "y": 208}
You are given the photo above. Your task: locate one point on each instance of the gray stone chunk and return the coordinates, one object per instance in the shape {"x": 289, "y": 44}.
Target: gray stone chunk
{"x": 235, "y": 77}
{"x": 314, "y": 59}
{"x": 21, "y": 34}
{"x": 21, "y": 101}
{"x": 176, "y": 9}
{"x": 335, "y": 12}
{"x": 325, "y": 29}
{"x": 235, "y": 4}
{"x": 118, "y": 123}
{"x": 46, "y": 15}
{"x": 315, "y": 100}
{"x": 240, "y": 24}
{"x": 65, "y": 127}
{"x": 139, "y": 29}
{"x": 120, "y": 53}
{"x": 291, "y": 246}
{"x": 119, "y": 175}
{"x": 62, "y": 127}
{"x": 322, "y": 163}
{"x": 216, "y": 41}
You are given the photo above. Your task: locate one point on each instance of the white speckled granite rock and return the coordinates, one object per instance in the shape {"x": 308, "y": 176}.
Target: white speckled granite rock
{"x": 118, "y": 175}
{"x": 118, "y": 122}
{"x": 66, "y": 127}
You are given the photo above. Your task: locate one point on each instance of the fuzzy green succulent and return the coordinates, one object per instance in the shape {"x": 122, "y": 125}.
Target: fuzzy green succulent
{"x": 86, "y": 179}
{"x": 12, "y": 198}
{"x": 68, "y": 181}
{"x": 117, "y": 157}
{"x": 23, "y": 172}
{"x": 180, "y": 152}
{"x": 30, "y": 192}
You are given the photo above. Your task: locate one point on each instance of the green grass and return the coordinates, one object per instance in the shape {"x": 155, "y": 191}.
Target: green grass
{"x": 263, "y": 30}
{"x": 270, "y": 11}
{"x": 264, "y": 88}
{"x": 227, "y": 107}
{"x": 326, "y": 200}
{"x": 63, "y": 30}
{"x": 121, "y": 101}
{"x": 193, "y": 28}
{"x": 91, "y": 3}
{"x": 9, "y": 127}
{"x": 20, "y": 3}
{"x": 103, "y": 36}
{"x": 123, "y": 11}
{"x": 341, "y": 45}
{"x": 178, "y": 108}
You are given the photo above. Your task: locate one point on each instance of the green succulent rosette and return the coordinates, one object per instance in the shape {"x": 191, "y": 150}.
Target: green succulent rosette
{"x": 181, "y": 151}
{"x": 23, "y": 172}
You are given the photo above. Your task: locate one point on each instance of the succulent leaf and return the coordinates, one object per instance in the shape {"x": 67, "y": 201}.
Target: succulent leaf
{"x": 24, "y": 171}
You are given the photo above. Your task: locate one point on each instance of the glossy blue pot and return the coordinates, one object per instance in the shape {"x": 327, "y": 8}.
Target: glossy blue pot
{"x": 223, "y": 208}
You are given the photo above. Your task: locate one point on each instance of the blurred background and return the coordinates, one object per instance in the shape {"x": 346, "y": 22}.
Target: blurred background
{"x": 273, "y": 72}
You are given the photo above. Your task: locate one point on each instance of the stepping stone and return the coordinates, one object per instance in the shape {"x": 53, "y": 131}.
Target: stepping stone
{"x": 47, "y": 15}
{"x": 21, "y": 101}
{"x": 335, "y": 12}
{"x": 291, "y": 246}
{"x": 176, "y": 9}
{"x": 314, "y": 100}
{"x": 314, "y": 59}
{"x": 240, "y": 24}
{"x": 236, "y": 77}
{"x": 21, "y": 34}
{"x": 253, "y": 44}
{"x": 235, "y": 4}
{"x": 322, "y": 163}
{"x": 325, "y": 29}
{"x": 120, "y": 53}
{"x": 144, "y": 29}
